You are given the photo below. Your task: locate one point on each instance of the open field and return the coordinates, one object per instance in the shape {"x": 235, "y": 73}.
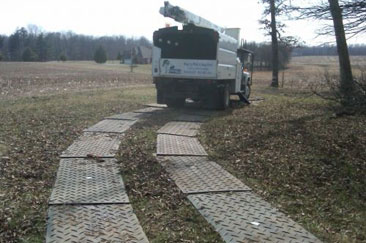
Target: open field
{"x": 34, "y": 79}
{"x": 326, "y": 61}
{"x": 306, "y": 72}
{"x": 290, "y": 149}
{"x": 29, "y": 79}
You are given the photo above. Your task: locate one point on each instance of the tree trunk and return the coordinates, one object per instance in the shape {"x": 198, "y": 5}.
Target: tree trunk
{"x": 274, "y": 44}
{"x": 347, "y": 82}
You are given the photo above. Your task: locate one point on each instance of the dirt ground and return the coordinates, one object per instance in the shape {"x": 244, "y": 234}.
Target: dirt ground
{"x": 290, "y": 148}
{"x": 34, "y": 79}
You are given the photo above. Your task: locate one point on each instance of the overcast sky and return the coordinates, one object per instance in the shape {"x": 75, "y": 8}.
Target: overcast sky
{"x": 135, "y": 18}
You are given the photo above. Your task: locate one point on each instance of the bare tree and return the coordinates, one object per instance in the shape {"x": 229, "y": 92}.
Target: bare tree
{"x": 273, "y": 31}
{"x": 348, "y": 17}
{"x": 274, "y": 44}
{"x": 275, "y": 28}
{"x": 347, "y": 82}
{"x": 353, "y": 13}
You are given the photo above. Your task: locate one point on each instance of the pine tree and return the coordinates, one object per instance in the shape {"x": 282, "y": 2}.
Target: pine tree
{"x": 119, "y": 56}
{"x": 63, "y": 57}
{"x": 29, "y": 55}
{"x": 42, "y": 48}
{"x": 100, "y": 55}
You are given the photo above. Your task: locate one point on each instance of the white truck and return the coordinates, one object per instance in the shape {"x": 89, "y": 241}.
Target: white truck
{"x": 201, "y": 61}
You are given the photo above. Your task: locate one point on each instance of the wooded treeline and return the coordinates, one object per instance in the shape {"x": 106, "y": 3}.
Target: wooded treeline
{"x": 329, "y": 50}
{"x": 263, "y": 53}
{"x": 30, "y": 44}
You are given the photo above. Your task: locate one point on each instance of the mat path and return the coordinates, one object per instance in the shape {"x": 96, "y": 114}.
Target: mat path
{"x": 89, "y": 202}
{"x": 236, "y": 213}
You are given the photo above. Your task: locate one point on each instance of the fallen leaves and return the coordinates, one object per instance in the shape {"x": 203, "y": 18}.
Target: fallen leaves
{"x": 35, "y": 131}
{"x": 163, "y": 211}
{"x": 289, "y": 148}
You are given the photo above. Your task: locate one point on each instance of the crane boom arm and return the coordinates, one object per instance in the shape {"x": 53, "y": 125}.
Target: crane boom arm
{"x": 185, "y": 17}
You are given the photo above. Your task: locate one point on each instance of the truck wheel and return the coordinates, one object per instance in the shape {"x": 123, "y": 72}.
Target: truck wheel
{"x": 160, "y": 96}
{"x": 223, "y": 100}
{"x": 176, "y": 102}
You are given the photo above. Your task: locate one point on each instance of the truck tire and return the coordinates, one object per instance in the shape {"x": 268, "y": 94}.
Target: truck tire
{"x": 223, "y": 98}
{"x": 160, "y": 96}
{"x": 175, "y": 102}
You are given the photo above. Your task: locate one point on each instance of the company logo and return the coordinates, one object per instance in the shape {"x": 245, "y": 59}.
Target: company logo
{"x": 174, "y": 70}
{"x": 170, "y": 68}
{"x": 166, "y": 64}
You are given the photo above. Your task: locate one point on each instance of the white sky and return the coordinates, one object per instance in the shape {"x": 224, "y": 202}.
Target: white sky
{"x": 135, "y": 18}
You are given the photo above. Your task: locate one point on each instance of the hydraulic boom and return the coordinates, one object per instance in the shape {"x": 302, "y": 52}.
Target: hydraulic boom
{"x": 185, "y": 17}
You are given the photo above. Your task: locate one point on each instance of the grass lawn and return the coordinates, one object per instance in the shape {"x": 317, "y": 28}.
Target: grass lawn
{"x": 291, "y": 149}
{"x": 33, "y": 132}
{"x": 295, "y": 153}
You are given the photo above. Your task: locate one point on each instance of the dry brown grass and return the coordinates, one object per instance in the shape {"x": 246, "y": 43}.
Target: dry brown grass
{"x": 32, "y": 79}
{"x": 294, "y": 151}
{"x": 36, "y": 127}
{"x": 290, "y": 148}
{"x": 304, "y": 73}
{"x": 33, "y": 133}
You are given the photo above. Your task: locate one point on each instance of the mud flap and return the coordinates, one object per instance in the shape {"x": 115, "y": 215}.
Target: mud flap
{"x": 243, "y": 98}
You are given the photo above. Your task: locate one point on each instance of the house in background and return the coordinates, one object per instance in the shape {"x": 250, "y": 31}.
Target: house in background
{"x": 139, "y": 55}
